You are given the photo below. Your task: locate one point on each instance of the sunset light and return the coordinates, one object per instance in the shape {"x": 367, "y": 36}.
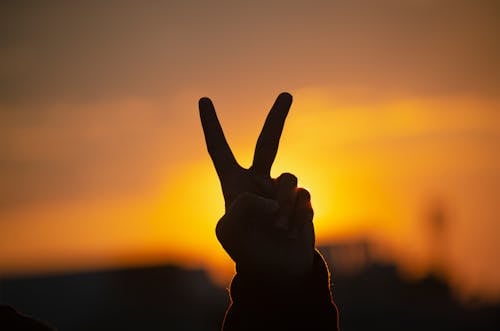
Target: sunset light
{"x": 104, "y": 165}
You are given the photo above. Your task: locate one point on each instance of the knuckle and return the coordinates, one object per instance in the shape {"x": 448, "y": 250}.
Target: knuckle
{"x": 304, "y": 194}
{"x": 288, "y": 178}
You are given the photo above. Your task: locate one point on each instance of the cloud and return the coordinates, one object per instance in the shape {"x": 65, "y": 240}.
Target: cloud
{"x": 91, "y": 151}
{"x": 67, "y": 71}
{"x": 82, "y": 51}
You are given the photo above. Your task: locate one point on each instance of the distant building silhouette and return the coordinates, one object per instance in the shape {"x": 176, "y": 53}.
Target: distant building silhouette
{"x": 166, "y": 298}
{"x": 370, "y": 295}
{"x": 373, "y": 296}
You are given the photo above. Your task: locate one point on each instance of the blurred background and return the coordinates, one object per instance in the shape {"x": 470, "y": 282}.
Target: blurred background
{"x": 108, "y": 199}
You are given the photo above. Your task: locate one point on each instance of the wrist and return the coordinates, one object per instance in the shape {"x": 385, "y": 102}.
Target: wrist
{"x": 277, "y": 272}
{"x": 311, "y": 287}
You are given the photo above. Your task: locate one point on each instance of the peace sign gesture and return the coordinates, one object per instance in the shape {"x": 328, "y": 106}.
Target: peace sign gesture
{"x": 268, "y": 222}
{"x": 235, "y": 179}
{"x": 267, "y": 230}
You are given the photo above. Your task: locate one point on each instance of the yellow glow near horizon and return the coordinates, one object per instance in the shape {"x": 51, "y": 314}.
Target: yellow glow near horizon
{"x": 367, "y": 168}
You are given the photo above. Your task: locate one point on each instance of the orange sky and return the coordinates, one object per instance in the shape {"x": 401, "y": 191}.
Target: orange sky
{"x": 102, "y": 158}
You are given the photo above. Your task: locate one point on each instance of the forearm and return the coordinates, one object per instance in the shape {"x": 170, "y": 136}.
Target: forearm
{"x": 280, "y": 304}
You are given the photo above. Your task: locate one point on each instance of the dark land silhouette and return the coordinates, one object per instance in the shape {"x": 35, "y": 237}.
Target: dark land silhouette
{"x": 374, "y": 296}
{"x": 169, "y": 297}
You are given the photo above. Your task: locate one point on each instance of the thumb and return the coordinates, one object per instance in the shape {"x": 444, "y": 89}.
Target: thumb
{"x": 247, "y": 207}
{"x": 250, "y": 204}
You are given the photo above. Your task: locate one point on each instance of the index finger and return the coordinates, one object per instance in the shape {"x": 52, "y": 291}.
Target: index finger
{"x": 269, "y": 138}
{"x": 217, "y": 146}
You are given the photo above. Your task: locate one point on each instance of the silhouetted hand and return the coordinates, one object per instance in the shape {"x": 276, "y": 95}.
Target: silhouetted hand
{"x": 235, "y": 179}
{"x": 267, "y": 229}
{"x": 264, "y": 243}
{"x": 281, "y": 282}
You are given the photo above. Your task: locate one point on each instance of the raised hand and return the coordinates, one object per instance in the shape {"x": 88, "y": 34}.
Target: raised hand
{"x": 234, "y": 178}
{"x": 267, "y": 228}
{"x": 281, "y": 282}
{"x": 252, "y": 235}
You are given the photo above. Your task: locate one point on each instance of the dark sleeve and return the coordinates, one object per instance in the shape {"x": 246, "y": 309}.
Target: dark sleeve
{"x": 260, "y": 304}
{"x": 10, "y": 319}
